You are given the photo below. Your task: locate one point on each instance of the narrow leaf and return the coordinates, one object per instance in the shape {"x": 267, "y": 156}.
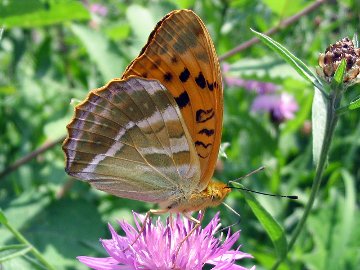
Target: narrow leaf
{"x": 101, "y": 50}
{"x": 15, "y": 254}
{"x": 3, "y": 219}
{"x": 354, "y": 104}
{"x": 271, "y": 226}
{"x": 338, "y": 78}
{"x": 319, "y": 116}
{"x": 15, "y": 246}
{"x": 342, "y": 236}
{"x": 295, "y": 62}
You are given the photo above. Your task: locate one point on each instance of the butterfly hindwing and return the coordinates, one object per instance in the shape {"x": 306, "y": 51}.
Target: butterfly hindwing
{"x": 128, "y": 139}
{"x": 181, "y": 55}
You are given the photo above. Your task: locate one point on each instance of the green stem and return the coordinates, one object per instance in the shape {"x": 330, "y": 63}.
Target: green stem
{"x": 331, "y": 121}
{"x": 23, "y": 240}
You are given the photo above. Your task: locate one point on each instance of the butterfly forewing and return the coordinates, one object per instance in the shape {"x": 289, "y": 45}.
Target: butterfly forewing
{"x": 128, "y": 139}
{"x": 181, "y": 55}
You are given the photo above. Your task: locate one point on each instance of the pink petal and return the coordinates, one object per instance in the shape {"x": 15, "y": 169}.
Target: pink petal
{"x": 100, "y": 263}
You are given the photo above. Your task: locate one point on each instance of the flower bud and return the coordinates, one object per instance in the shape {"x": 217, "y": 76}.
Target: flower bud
{"x": 329, "y": 62}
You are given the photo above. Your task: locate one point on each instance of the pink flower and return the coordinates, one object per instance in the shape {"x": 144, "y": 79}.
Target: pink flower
{"x": 260, "y": 87}
{"x": 98, "y": 9}
{"x": 281, "y": 106}
{"x": 251, "y": 85}
{"x": 157, "y": 245}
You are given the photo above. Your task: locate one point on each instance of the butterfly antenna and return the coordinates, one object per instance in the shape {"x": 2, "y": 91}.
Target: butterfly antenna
{"x": 236, "y": 213}
{"x": 247, "y": 175}
{"x": 292, "y": 197}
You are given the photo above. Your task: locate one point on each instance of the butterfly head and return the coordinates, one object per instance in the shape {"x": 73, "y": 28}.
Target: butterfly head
{"x": 211, "y": 196}
{"x": 216, "y": 191}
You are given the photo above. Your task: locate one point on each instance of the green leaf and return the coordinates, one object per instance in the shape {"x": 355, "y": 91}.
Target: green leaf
{"x": 33, "y": 13}
{"x": 319, "y": 116}
{"x": 285, "y": 8}
{"x": 295, "y": 62}
{"x": 118, "y": 31}
{"x": 271, "y": 226}
{"x": 342, "y": 237}
{"x": 263, "y": 68}
{"x": 101, "y": 50}
{"x": 57, "y": 228}
{"x": 141, "y": 22}
{"x": 3, "y": 219}
{"x": 334, "y": 229}
{"x": 354, "y": 104}
{"x": 338, "y": 78}
{"x": 15, "y": 246}
{"x": 15, "y": 254}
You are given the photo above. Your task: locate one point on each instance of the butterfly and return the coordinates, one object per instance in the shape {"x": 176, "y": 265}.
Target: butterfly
{"x": 154, "y": 135}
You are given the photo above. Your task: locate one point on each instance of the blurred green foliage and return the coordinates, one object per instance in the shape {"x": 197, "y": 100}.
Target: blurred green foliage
{"x": 52, "y": 51}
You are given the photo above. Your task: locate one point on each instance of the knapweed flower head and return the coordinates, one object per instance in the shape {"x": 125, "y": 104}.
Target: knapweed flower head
{"x": 280, "y": 106}
{"x": 331, "y": 59}
{"x": 158, "y": 244}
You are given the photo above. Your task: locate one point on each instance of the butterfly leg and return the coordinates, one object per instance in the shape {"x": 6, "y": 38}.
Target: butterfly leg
{"x": 171, "y": 219}
{"x": 147, "y": 216}
{"x": 197, "y": 224}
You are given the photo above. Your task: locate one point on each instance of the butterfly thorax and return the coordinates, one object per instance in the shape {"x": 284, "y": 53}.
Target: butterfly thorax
{"x": 211, "y": 196}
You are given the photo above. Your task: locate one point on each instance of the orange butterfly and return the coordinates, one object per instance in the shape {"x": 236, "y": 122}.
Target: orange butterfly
{"x": 154, "y": 135}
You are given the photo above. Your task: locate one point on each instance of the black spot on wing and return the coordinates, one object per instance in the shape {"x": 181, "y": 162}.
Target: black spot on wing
{"x": 168, "y": 76}
{"x": 210, "y": 85}
{"x": 207, "y": 132}
{"x": 200, "y": 143}
{"x": 202, "y": 156}
{"x": 202, "y": 115}
{"x": 174, "y": 60}
{"x": 182, "y": 100}
{"x": 184, "y": 76}
{"x": 200, "y": 80}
